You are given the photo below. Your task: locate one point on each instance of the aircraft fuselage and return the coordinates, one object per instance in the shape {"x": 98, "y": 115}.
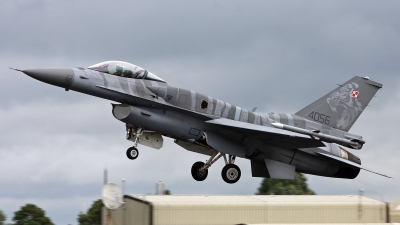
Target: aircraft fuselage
{"x": 209, "y": 126}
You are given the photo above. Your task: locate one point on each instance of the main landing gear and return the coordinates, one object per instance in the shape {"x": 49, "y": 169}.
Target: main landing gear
{"x": 132, "y": 152}
{"x": 230, "y": 173}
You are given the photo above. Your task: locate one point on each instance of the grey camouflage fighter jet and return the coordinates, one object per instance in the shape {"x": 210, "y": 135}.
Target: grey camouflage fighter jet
{"x": 311, "y": 141}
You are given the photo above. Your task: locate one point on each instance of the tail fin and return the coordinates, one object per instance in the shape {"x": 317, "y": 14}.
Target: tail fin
{"x": 341, "y": 107}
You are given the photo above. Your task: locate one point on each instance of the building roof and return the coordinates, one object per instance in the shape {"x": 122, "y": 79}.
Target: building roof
{"x": 291, "y": 199}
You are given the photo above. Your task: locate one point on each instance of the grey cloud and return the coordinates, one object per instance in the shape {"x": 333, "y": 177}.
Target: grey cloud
{"x": 279, "y": 56}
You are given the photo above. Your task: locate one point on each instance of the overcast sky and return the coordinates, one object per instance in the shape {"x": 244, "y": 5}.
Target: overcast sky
{"x": 276, "y": 55}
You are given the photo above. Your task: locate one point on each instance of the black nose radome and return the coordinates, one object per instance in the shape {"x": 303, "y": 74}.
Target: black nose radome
{"x": 56, "y": 76}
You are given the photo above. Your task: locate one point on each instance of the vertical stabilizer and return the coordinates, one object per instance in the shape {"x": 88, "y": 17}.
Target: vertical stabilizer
{"x": 341, "y": 107}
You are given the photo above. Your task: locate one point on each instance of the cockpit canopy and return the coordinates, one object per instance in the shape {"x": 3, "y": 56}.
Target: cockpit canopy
{"x": 124, "y": 69}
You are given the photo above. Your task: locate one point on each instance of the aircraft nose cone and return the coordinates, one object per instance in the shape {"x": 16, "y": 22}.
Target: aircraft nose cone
{"x": 60, "y": 77}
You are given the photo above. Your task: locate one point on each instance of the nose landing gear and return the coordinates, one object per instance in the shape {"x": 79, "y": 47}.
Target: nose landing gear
{"x": 132, "y": 152}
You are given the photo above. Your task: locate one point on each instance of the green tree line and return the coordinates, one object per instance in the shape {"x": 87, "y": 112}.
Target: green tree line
{"x": 31, "y": 214}
{"x": 28, "y": 214}
{"x": 298, "y": 186}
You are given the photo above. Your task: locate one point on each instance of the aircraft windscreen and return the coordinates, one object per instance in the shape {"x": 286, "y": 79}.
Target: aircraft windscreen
{"x": 124, "y": 69}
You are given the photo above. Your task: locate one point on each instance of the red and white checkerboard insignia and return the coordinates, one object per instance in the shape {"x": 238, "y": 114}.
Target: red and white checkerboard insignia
{"x": 355, "y": 94}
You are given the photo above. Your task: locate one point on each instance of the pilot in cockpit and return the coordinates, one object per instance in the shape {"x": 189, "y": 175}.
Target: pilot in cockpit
{"x": 119, "y": 70}
{"x": 127, "y": 73}
{"x": 124, "y": 69}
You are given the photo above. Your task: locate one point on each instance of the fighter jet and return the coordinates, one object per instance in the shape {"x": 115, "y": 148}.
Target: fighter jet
{"x": 313, "y": 140}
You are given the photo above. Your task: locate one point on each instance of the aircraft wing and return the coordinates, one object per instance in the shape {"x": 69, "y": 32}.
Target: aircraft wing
{"x": 350, "y": 163}
{"x": 278, "y": 137}
{"x": 272, "y": 135}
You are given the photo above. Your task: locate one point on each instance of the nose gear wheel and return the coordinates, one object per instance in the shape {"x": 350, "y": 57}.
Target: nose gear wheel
{"x": 132, "y": 153}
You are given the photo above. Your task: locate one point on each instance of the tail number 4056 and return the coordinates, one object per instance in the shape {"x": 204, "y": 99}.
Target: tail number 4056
{"x": 316, "y": 116}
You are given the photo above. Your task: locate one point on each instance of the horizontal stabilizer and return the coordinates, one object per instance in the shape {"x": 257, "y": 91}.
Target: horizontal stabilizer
{"x": 350, "y": 163}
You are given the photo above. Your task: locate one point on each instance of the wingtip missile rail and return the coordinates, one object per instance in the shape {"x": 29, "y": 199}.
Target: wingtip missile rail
{"x": 354, "y": 144}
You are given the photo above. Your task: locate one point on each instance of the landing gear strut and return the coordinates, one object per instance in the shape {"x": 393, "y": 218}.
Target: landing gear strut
{"x": 133, "y": 152}
{"x": 230, "y": 173}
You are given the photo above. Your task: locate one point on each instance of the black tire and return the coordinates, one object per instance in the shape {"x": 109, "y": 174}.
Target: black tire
{"x": 132, "y": 153}
{"x": 196, "y": 174}
{"x": 231, "y": 173}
